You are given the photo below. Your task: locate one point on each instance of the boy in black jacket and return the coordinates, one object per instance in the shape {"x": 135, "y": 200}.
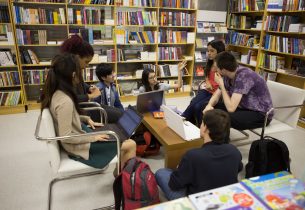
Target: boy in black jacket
{"x": 215, "y": 164}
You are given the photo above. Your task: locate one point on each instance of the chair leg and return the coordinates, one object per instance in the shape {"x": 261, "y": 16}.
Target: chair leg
{"x": 53, "y": 181}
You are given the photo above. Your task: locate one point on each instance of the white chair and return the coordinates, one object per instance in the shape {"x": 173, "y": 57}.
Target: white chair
{"x": 62, "y": 166}
{"x": 287, "y": 103}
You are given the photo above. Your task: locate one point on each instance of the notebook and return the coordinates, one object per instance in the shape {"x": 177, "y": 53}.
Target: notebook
{"x": 150, "y": 101}
{"x": 177, "y": 123}
{"x": 126, "y": 125}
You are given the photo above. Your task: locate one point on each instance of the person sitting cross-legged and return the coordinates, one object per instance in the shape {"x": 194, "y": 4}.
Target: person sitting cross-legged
{"x": 215, "y": 164}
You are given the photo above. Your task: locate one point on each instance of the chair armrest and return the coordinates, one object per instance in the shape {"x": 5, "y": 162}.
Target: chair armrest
{"x": 89, "y": 103}
{"x": 102, "y": 113}
{"x": 275, "y": 108}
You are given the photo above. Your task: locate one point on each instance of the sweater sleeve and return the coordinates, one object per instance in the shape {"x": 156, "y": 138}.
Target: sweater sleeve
{"x": 183, "y": 175}
{"x": 64, "y": 115}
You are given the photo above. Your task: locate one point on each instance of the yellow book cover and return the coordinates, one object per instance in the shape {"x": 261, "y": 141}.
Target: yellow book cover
{"x": 55, "y": 18}
{"x": 78, "y": 17}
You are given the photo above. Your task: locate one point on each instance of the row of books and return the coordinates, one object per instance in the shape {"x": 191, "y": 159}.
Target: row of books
{"x": 4, "y": 14}
{"x": 267, "y": 75}
{"x": 9, "y": 78}
{"x": 280, "y": 190}
{"x": 100, "y": 35}
{"x": 89, "y": 74}
{"x": 170, "y": 36}
{"x": 200, "y": 56}
{"x": 101, "y": 2}
{"x": 170, "y": 53}
{"x": 280, "y": 23}
{"x": 137, "y": 18}
{"x": 210, "y": 27}
{"x": 125, "y": 36}
{"x": 6, "y": 36}
{"x": 28, "y": 56}
{"x": 7, "y": 58}
{"x": 168, "y": 70}
{"x": 241, "y": 21}
{"x": 136, "y": 3}
{"x": 51, "y": 1}
{"x": 31, "y": 36}
{"x": 177, "y": 19}
{"x": 285, "y": 5}
{"x": 202, "y": 42}
{"x": 9, "y": 98}
{"x": 242, "y": 39}
{"x": 188, "y": 4}
{"x": 249, "y": 58}
{"x": 284, "y": 44}
{"x": 86, "y": 16}
{"x": 34, "y": 77}
{"x": 272, "y": 62}
{"x": 39, "y": 16}
{"x": 246, "y": 5}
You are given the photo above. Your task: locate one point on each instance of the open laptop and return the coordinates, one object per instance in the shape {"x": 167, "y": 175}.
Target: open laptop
{"x": 183, "y": 128}
{"x": 150, "y": 101}
{"x": 126, "y": 125}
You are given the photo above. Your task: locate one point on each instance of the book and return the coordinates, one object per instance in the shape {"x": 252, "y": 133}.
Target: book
{"x": 279, "y": 190}
{"x": 181, "y": 203}
{"x": 235, "y": 196}
{"x": 158, "y": 115}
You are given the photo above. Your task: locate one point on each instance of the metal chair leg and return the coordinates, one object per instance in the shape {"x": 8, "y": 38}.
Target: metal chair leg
{"x": 246, "y": 136}
{"x": 53, "y": 181}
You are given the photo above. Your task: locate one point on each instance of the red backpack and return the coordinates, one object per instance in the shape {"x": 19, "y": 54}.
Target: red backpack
{"x": 147, "y": 144}
{"x": 136, "y": 186}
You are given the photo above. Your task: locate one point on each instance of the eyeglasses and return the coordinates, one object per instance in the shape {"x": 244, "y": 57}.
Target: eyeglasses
{"x": 152, "y": 77}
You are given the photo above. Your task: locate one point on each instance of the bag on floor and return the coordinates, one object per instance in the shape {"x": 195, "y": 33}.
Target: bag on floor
{"x": 147, "y": 144}
{"x": 135, "y": 187}
{"x": 267, "y": 155}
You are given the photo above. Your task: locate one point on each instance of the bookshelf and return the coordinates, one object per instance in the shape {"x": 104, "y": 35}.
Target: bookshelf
{"x": 126, "y": 34}
{"x": 279, "y": 39}
{"x": 11, "y": 85}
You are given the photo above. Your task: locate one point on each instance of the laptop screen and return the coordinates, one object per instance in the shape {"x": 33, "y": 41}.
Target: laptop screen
{"x": 150, "y": 101}
{"x": 129, "y": 121}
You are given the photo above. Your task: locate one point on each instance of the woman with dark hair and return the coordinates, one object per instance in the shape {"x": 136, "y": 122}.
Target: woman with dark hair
{"x": 193, "y": 112}
{"x": 84, "y": 52}
{"x": 60, "y": 98}
{"x": 150, "y": 82}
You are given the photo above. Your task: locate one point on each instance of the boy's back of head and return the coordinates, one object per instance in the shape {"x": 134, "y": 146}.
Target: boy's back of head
{"x": 103, "y": 70}
{"x": 218, "y": 123}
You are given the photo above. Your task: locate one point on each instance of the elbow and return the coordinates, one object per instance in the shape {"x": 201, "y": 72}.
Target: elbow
{"x": 231, "y": 109}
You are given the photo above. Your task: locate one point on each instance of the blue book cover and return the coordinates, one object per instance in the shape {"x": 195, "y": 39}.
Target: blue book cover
{"x": 279, "y": 190}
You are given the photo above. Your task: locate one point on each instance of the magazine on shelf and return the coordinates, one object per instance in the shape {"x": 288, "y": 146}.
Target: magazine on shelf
{"x": 235, "y": 196}
{"x": 279, "y": 190}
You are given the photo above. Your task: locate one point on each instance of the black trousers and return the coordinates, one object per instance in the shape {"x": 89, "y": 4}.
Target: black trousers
{"x": 113, "y": 114}
{"x": 243, "y": 119}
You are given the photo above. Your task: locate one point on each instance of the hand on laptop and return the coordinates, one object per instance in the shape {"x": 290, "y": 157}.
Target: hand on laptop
{"x": 92, "y": 124}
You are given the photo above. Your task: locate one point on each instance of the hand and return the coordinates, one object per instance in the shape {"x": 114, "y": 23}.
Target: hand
{"x": 218, "y": 79}
{"x": 95, "y": 92}
{"x": 103, "y": 137}
{"x": 208, "y": 85}
{"x": 92, "y": 124}
{"x": 92, "y": 88}
{"x": 182, "y": 65}
{"x": 207, "y": 108}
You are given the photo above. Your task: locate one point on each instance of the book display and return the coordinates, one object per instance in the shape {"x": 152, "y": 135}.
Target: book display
{"x": 269, "y": 37}
{"x": 11, "y": 85}
{"x": 206, "y": 32}
{"x": 130, "y": 35}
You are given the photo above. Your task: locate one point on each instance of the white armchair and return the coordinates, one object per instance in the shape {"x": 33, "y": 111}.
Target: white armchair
{"x": 287, "y": 103}
{"x": 62, "y": 166}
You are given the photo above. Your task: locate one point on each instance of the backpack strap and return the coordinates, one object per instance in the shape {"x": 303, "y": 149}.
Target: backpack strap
{"x": 262, "y": 151}
{"x": 118, "y": 192}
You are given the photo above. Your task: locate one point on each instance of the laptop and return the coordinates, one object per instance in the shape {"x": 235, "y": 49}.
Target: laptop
{"x": 150, "y": 101}
{"x": 125, "y": 126}
{"x": 177, "y": 123}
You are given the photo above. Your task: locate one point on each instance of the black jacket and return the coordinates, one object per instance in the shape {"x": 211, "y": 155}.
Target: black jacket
{"x": 211, "y": 166}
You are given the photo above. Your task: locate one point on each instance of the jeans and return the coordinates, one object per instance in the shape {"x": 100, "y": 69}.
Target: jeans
{"x": 162, "y": 177}
{"x": 193, "y": 112}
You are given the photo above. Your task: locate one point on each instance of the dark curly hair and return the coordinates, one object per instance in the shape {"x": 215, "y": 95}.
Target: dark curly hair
{"x": 77, "y": 46}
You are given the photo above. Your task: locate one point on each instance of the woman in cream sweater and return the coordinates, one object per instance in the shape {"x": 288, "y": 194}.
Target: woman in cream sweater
{"x": 60, "y": 98}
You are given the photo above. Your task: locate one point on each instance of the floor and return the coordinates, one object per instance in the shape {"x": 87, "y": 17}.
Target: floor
{"x": 25, "y": 171}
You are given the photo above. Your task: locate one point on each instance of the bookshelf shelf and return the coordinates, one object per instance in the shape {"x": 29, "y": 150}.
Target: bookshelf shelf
{"x": 38, "y": 3}
{"x": 137, "y": 61}
{"x": 128, "y": 79}
{"x": 7, "y": 45}
{"x": 246, "y": 64}
{"x": 34, "y": 84}
{"x": 96, "y": 63}
{"x": 178, "y": 60}
{"x": 152, "y": 26}
{"x": 181, "y": 9}
{"x": 246, "y": 30}
{"x": 40, "y": 24}
{"x": 39, "y": 45}
{"x": 138, "y": 7}
{"x": 137, "y": 44}
{"x": 12, "y": 86}
{"x": 285, "y": 54}
{"x": 286, "y": 12}
{"x": 176, "y": 26}
{"x": 4, "y": 23}
{"x": 89, "y": 5}
{"x": 286, "y": 33}
{"x": 248, "y": 12}
{"x": 89, "y": 25}
{"x": 244, "y": 47}
{"x": 175, "y": 43}
{"x": 287, "y": 74}
{"x": 35, "y": 65}
{"x": 4, "y": 67}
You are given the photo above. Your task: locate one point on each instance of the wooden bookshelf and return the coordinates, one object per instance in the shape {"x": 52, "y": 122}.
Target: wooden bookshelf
{"x": 264, "y": 52}
{"x": 59, "y": 30}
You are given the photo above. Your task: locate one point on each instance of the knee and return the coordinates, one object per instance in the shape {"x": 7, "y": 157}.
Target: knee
{"x": 129, "y": 145}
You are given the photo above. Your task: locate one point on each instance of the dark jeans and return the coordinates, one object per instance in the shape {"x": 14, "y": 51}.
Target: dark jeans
{"x": 243, "y": 119}
{"x": 193, "y": 112}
